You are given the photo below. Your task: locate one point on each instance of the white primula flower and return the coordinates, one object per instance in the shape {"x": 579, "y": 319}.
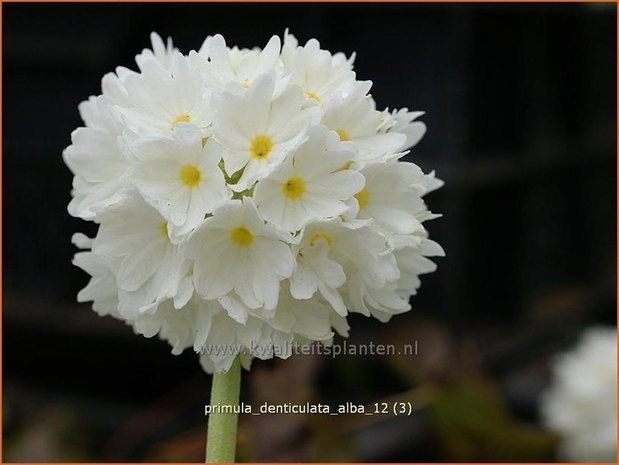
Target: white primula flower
{"x": 160, "y": 99}
{"x": 315, "y": 271}
{"x": 412, "y": 262}
{"x": 101, "y": 288}
{"x": 96, "y": 160}
{"x": 305, "y": 318}
{"x": 113, "y": 86}
{"x": 354, "y": 118}
{"x": 180, "y": 176}
{"x": 257, "y": 131}
{"x": 392, "y": 199}
{"x": 161, "y": 52}
{"x": 151, "y": 268}
{"x": 405, "y": 122}
{"x": 234, "y": 250}
{"x": 311, "y": 184}
{"x": 226, "y": 339}
{"x": 247, "y": 199}
{"x": 581, "y": 404}
{"x": 174, "y": 325}
{"x": 294, "y": 322}
{"x": 335, "y": 254}
{"x": 220, "y": 66}
{"x": 319, "y": 73}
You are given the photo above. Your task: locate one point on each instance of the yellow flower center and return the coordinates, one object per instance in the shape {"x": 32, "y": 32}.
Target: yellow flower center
{"x": 184, "y": 118}
{"x": 293, "y": 188}
{"x": 261, "y": 146}
{"x": 241, "y": 236}
{"x": 245, "y": 84}
{"x": 313, "y": 96}
{"x": 363, "y": 197}
{"x": 163, "y": 228}
{"x": 321, "y": 236}
{"x": 190, "y": 175}
{"x": 343, "y": 134}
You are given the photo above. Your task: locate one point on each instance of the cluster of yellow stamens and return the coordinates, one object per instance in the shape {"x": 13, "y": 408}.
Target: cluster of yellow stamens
{"x": 293, "y": 188}
{"x": 343, "y": 134}
{"x": 363, "y": 197}
{"x": 241, "y": 236}
{"x": 190, "y": 175}
{"x": 313, "y": 96}
{"x": 261, "y": 146}
{"x": 184, "y": 118}
{"x": 163, "y": 229}
{"x": 321, "y": 236}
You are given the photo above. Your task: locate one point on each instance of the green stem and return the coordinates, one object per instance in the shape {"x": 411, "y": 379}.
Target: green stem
{"x": 221, "y": 436}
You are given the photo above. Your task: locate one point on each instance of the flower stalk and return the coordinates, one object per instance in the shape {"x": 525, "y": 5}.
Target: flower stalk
{"x": 221, "y": 435}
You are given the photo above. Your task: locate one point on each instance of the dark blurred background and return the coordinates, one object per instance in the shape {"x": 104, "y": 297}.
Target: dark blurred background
{"x": 521, "y": 115}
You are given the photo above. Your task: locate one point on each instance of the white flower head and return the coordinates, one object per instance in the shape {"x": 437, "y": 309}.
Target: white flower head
{"x": 236, "y": 250}
{"x": 405, "y": 122}
{"x": 159, "y": 99}
{"x": 319, "y": 73}
{"x": 581, "y": 404}
{"x": 247, "y": 198}
{"x": 221, "y": 67}
{"x": 354, "y": 118}
{"x": 101, "y": 289}
{"x": 316, "y": 271}
{"x": 150, "y": 268}
{"x": 162, "y": 53}
{"x": 96, "y": 159}
{"x": 312, "y": 183}
{"x": 412, "y": 261}
{"x": 345, "y": 263}
{"x": 180, "y": 176}
{"x": 392, "y": 199}
{"x": 258, "y": 130}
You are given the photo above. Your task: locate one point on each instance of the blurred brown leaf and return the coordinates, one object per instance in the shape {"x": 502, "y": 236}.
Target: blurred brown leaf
{"x": 50, "y": 435}
{"x": 473, "y": 425}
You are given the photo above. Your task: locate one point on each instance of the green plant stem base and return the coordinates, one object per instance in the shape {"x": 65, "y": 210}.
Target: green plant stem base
{"x": 221, "y": 436}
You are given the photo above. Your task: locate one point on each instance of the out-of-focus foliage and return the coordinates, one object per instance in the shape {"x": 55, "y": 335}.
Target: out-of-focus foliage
{"x": 474, "y": 425}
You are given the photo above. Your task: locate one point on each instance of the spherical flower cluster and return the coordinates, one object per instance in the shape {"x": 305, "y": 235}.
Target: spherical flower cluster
{"x": 247, "y": 199}
{"x": 581, "y": 405}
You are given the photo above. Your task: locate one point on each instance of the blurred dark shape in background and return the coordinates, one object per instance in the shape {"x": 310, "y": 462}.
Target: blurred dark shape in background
{"x": 521, "y": 103}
